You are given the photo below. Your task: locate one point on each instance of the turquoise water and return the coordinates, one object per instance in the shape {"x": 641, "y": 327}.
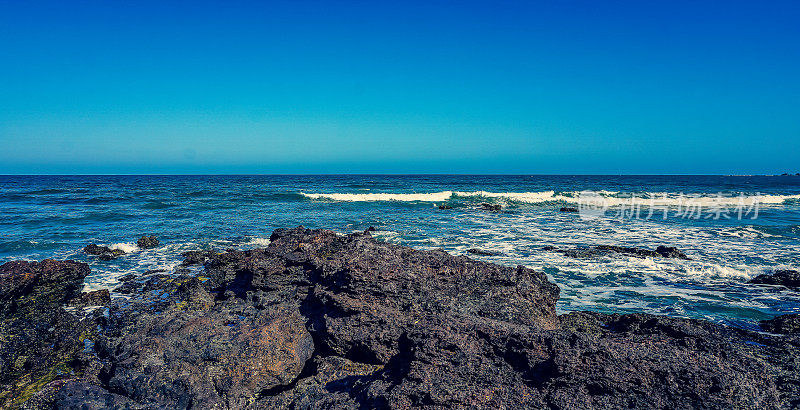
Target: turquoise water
{"x": 55, "y": 216}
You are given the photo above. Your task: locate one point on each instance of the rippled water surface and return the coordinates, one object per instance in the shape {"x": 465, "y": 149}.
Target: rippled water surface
{"x": 55, "y": 216}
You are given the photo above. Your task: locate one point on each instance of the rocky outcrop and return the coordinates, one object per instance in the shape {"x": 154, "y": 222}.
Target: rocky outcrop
{"x": 146, "y": 242}
{"x": 321, "y": 320}
{"x": 606, "y": 250}
{"x": 103, "y": 253}
{"x": 783, "y": 324}
{"x": 787, "y": 278}
{"x": 39, "y": 340}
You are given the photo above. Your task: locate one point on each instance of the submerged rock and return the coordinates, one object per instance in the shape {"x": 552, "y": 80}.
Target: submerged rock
{"x": 103, "y": 252}
{"x": 783, "y": 324}
{"x": 445, "y": 207}
{"x": 491, "y": 207}
{"x": 568, "y": 209}
{"x": 787, "y": 278}
{"x": 146, "y": 242}
{"x": 604, "y": 250}
{"x": 322, "y": 320}
{"x": 481, "y": 252}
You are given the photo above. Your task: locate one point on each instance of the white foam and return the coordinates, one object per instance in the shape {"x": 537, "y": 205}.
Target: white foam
{"x": 125, "y": 247}
{"x": 257, "y": 241}
{"x": 433, "y": 197}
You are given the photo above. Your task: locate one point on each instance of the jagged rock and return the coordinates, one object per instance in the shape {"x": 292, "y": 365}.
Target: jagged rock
{"x": 146, "y": 242}
{"x": 197, "y": 257}
{"x": 321, "y": 320}
{"x": 103, "y": 252}
{"x": 39, "y": 340}
{"x": 787, "y": 278}
{"x": 95, "y": 298}
{"x": 783, "y": 324}
{"x": 568, "y": 209}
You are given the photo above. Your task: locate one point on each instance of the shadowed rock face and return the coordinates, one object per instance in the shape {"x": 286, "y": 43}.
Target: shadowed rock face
{"x": 783, "y": 324}
{"x": 320, "y": 320}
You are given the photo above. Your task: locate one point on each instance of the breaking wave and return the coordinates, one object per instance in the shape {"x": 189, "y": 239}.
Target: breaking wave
{"x": 609, "y": 197}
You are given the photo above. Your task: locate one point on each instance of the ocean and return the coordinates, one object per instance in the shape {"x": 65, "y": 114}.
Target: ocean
{"x": 732, "y": 227}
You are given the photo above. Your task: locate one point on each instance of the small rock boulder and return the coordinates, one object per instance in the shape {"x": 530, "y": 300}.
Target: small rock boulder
{"x": 104, "y": 253}
{"x": 568, "y": 209}
{"x": 491, "y": 207}
{"x": 146, "y": 242}
{"x": 445, "y": 207}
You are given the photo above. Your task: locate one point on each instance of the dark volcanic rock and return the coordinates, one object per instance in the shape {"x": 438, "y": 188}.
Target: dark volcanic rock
{"x": 226, "y": 355}
{"x": 787, "y": 278}
{"x": 783, "y": 324}
{"x": 568, "y": 209}
{"x": 39, "y": 340}
{"x": 95, "y": 298}
{"x": 103, "y": 252}
{"x": 321, "y": 320}
{"x": 604, "y": 250}
{"x": 146, "y": 242}
{"x": 197, "y": 257}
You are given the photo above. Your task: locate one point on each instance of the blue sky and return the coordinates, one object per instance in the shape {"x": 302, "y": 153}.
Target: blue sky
{"x": 607, "y": 87}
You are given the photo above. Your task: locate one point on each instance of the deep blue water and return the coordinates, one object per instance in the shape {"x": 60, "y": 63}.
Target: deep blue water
{"x": 55, "y": 216}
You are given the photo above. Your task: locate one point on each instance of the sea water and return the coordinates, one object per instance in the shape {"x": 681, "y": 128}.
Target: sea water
{"x": 55, "y": 216}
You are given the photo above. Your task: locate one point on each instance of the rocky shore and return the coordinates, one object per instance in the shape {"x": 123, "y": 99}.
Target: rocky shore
{"x": 322, "y": 320}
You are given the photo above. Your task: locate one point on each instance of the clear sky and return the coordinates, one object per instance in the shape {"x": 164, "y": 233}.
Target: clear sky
{"x": 604, "y": 87}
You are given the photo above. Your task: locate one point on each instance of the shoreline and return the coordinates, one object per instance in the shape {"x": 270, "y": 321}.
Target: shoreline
{"x": 323, "y": 319}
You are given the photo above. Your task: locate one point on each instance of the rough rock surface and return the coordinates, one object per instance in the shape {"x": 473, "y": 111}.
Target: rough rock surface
{"x": 146, "y": 242}
{"x": 605, "y": 250}
{"x": 39, "y": 340}
{"x": 783, "y": 324}
{"x": 787, "y": 278}
{"x": 321, "y": 320}
{"x": 100, "y": 297}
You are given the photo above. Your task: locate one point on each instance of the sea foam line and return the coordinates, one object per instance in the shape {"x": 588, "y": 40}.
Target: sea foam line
{"x": 610, "y": 198}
